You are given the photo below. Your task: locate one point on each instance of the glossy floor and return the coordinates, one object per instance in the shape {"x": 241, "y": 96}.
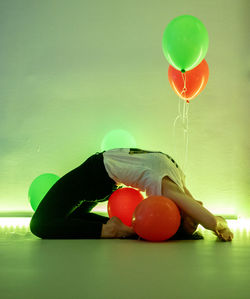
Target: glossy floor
{"x": 116, "y": 268}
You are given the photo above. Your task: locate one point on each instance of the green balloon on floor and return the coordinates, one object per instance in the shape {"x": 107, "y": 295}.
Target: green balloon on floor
{"x": 39, "y": 187}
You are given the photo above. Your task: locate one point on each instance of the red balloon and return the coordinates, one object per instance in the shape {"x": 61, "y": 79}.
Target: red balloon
{"x": 122, "y": 204}
{"x": 196, "y": 80}
{"x": 156, "y": 218}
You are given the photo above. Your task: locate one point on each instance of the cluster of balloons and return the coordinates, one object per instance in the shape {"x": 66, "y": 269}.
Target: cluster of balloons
{"x": 185, "y": 44}
{"x": 155, "y": 218}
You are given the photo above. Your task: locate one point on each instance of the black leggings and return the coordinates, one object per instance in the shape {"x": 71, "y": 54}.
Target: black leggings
{"x": 63, "y": 213}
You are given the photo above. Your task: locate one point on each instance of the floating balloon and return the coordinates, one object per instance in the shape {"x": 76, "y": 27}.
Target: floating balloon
{"x": 39, "y": 187}
{"x": 191, "y": 83}
{"x": 156, "y": 218}
{"x": 122, "y": 204}
{"x": 185, "y": 42}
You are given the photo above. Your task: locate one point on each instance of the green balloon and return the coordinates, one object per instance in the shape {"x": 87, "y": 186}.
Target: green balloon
{"x": 39, "y": 187}
{"x": 185, "y": 42}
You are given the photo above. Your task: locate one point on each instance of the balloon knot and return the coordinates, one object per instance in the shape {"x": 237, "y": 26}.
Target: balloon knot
{"x": 188, "y": 101}
{"x": 183, "y": 71}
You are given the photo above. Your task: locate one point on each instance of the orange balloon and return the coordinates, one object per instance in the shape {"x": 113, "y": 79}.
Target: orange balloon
{"x": 196, "y": 80}
{"x": 156, "y": 218}
{"x": 122, "y": 204}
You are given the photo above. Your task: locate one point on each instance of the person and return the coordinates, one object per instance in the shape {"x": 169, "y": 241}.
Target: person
{"x": 65, "y": 210}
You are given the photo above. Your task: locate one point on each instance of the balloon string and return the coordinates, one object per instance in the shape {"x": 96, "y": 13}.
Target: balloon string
{"x": 178, "y": 116}
{"x": 184, "y": 118}
{"x": 186, "y": 133}
{"x": 184, "y": 85}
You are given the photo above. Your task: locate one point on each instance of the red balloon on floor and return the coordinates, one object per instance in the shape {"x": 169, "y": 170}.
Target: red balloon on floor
{"x": 122, "y": 204}
{"x": 156, "y": 218}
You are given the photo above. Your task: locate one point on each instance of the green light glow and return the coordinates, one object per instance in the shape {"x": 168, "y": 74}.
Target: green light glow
{"x": 118, "y": 139}
{"x": 8, "y": 222}
{"x": 14, "y": 221}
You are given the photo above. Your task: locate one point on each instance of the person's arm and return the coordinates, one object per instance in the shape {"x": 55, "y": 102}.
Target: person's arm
{"x": 188, "y": 193}
{"x": 189, "y": 205}
{"x": 194, "y": 209}
{"x": 222, "y": 230}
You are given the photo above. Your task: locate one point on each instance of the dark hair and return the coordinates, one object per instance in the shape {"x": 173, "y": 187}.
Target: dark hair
{"x": 181, "y": 234}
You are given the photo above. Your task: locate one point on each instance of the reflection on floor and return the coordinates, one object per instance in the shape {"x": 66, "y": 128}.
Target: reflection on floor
{"x": 116, "y": 268}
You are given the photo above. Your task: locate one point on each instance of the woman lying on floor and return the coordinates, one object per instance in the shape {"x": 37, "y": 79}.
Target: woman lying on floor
{"x": 64, "y": 212}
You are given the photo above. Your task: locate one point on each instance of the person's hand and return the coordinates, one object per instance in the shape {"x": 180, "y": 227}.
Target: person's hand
{"x": 224, "y": 234}
{"x": 222, "y": 231}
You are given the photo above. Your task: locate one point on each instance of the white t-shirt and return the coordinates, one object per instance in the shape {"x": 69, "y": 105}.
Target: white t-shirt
{"x": 142, "y": 169}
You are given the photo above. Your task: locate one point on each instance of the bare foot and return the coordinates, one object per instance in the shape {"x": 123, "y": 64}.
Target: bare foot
{"x": 122, "y": 230}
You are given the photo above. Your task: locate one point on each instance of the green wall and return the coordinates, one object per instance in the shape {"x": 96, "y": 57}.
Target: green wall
{"x": 72, "y": 71}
